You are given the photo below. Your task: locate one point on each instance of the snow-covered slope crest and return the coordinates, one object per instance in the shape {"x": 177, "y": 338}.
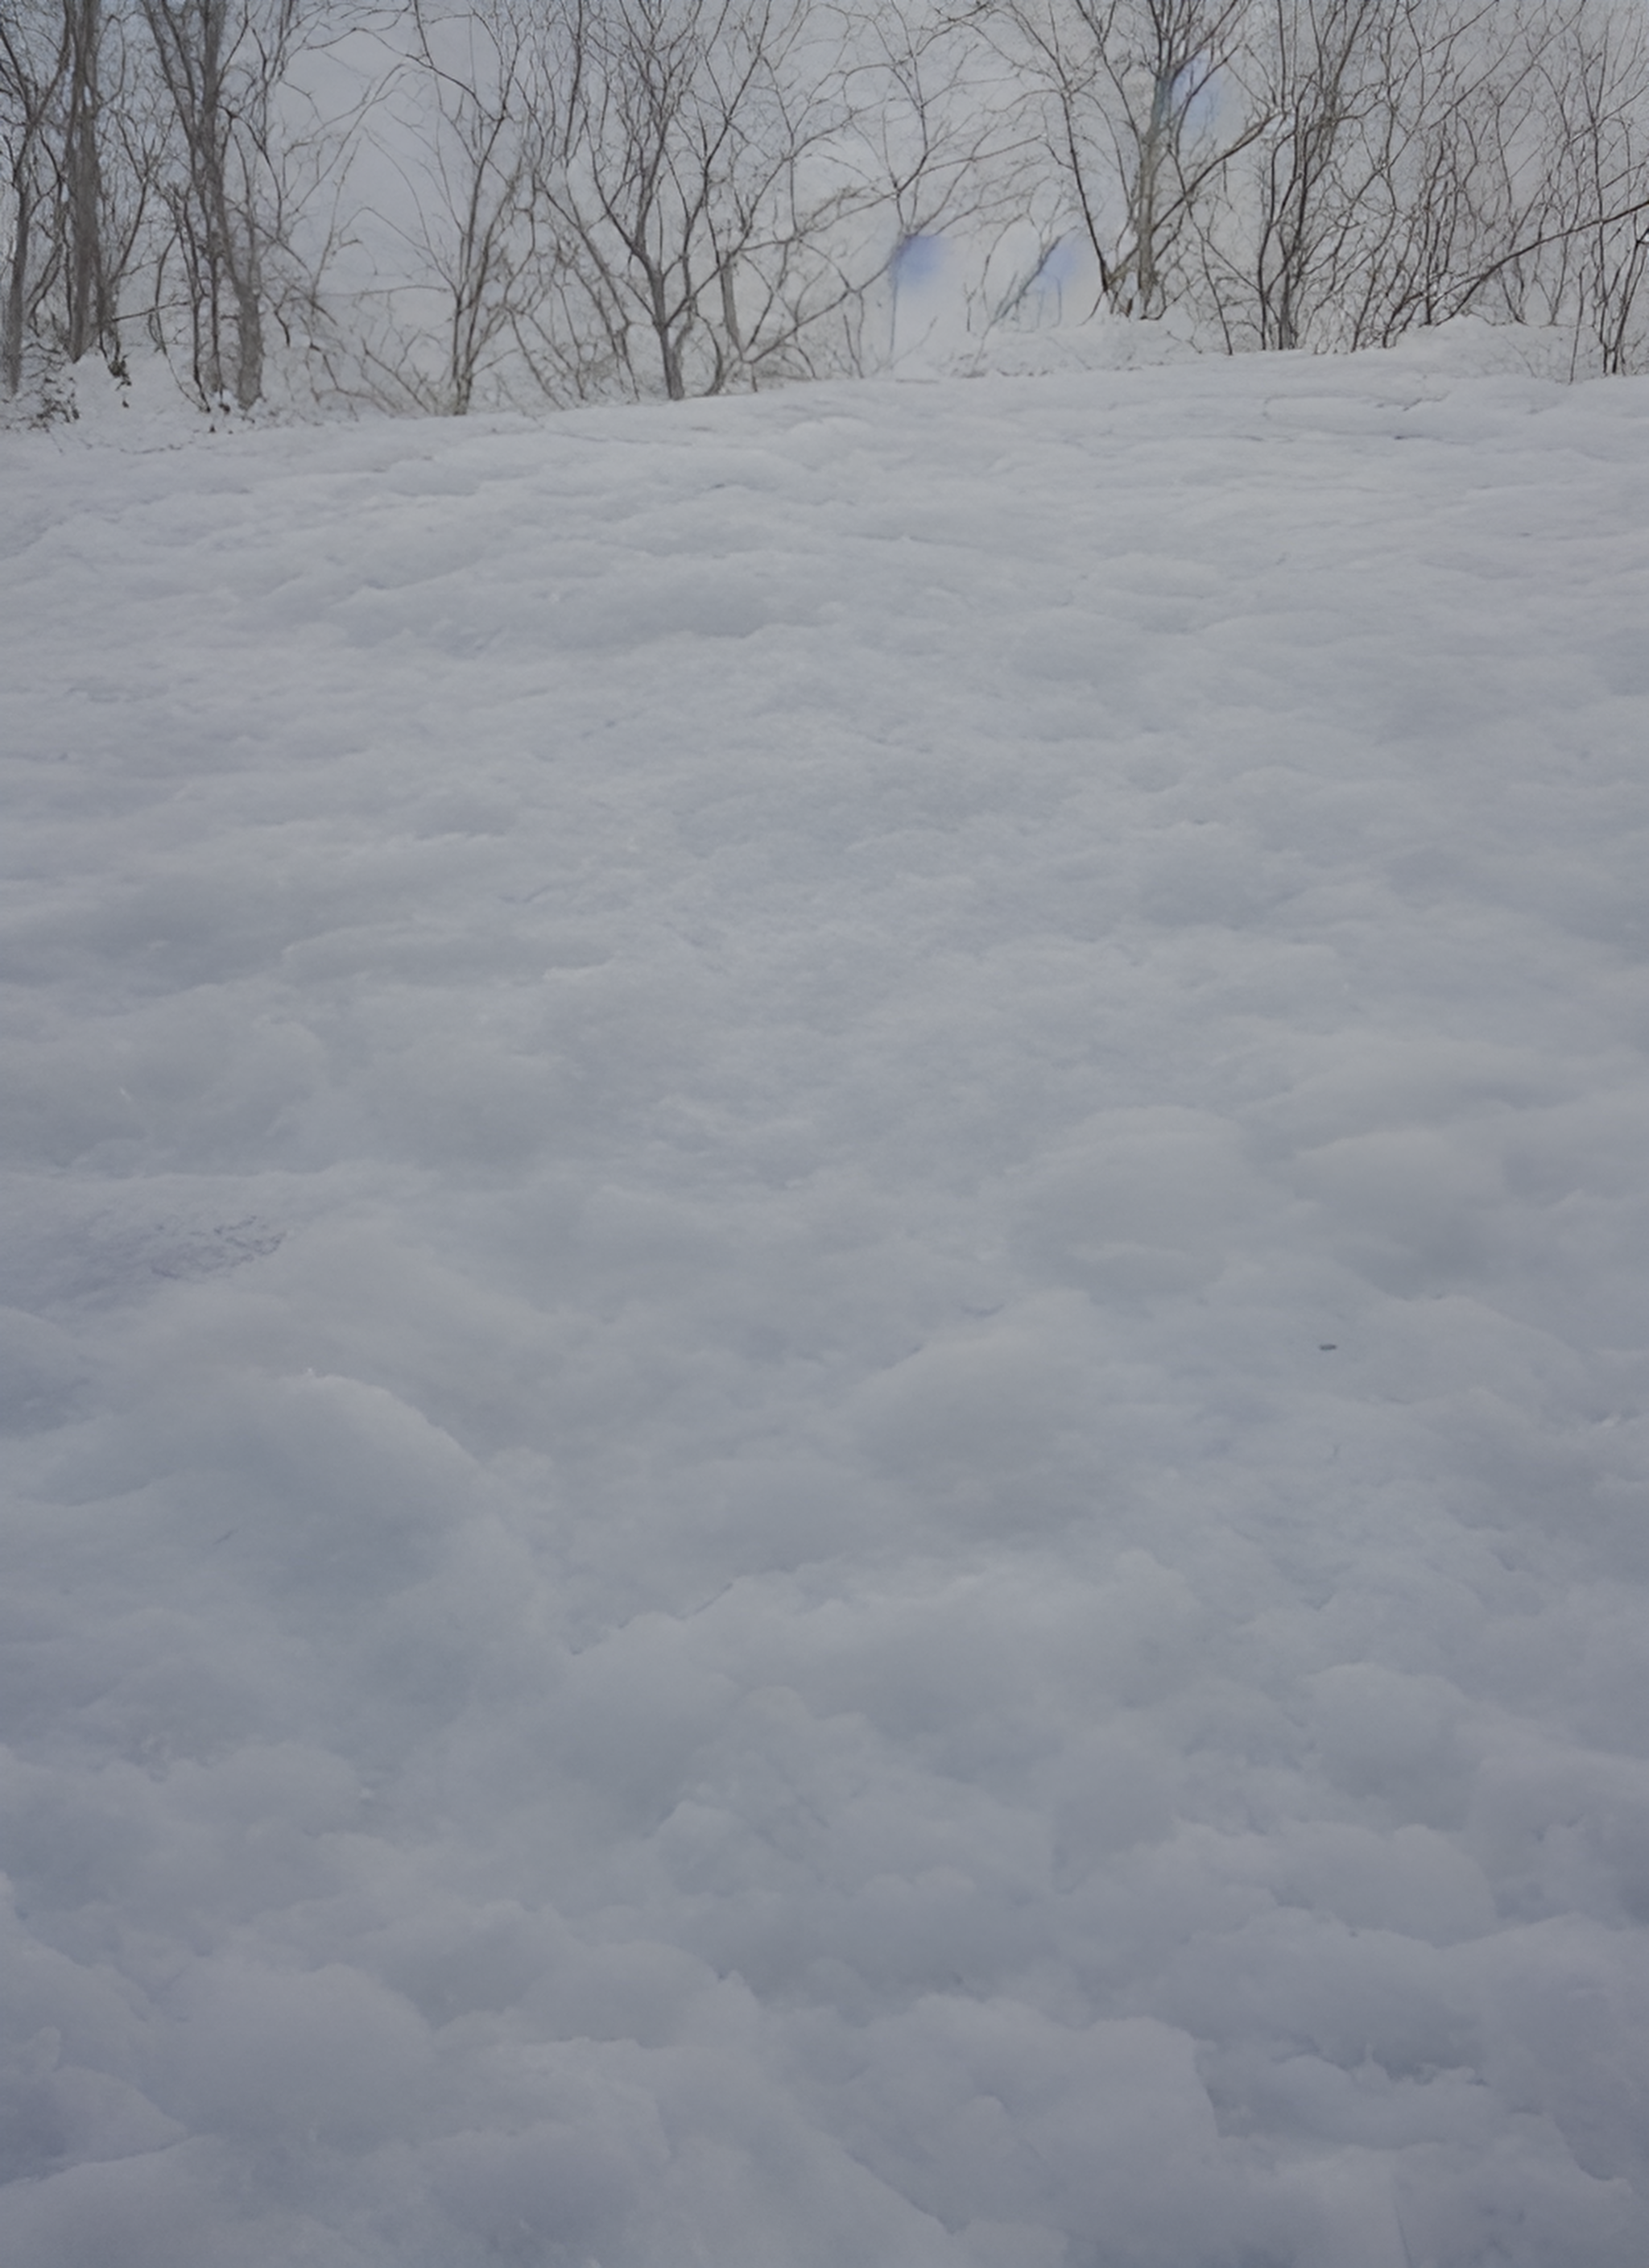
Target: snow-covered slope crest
{"x": 824, "y": 1348}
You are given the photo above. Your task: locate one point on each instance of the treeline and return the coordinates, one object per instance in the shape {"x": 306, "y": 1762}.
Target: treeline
{"x": 429, "y": 204}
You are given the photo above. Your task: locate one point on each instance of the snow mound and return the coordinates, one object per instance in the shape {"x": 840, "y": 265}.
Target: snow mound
{"x": 823, "y": 1342}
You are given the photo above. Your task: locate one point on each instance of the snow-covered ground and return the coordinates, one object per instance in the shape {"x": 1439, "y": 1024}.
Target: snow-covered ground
{"x": 826, "y": 1342}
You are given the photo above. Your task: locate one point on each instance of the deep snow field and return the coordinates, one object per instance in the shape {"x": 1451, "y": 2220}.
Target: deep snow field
{"x": 826, "y": 1341}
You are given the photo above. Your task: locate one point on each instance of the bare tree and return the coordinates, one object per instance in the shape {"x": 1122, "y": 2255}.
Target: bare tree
{"x": 579, "y": 198}
{"x": 673, "y": 158}
{"x": 64, "y": 257}
{"x": 468, "y": 107}
{"x": 1142, "y": 111}
{"x": 1322, "y": 91}
{"x": 31, "y": 77}
{"x": 90, "y": 299}
{"x": 225, "y": 67}
{"x": 731, "y": 179}
{"x": 943, "y": 151}
{"x": 1440, "y": 176}
{"x": 1406, "y": 151}
{"x": 1595, "y": 76}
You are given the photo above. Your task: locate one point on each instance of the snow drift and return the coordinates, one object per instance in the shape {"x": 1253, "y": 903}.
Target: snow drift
{"x": 824, "y": 1354}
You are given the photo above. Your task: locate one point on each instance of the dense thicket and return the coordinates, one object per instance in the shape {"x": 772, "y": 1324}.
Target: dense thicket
{"x": 431, "y": 204}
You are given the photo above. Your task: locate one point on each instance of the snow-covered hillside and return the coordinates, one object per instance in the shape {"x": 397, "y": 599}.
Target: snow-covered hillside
{"x": 825, "y": 1347}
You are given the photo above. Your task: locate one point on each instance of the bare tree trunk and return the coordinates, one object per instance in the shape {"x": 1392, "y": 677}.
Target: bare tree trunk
{"x": 31, "y": 76}
{"x": 15, "y": 318}
{"x": 90, "y": 310}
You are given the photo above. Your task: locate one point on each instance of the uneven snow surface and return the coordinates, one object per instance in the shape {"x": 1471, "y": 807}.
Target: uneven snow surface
{"x": 825, "y": 1353}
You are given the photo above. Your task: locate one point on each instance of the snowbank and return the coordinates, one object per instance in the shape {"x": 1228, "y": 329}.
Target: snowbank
{"x": 824, "y": 1360}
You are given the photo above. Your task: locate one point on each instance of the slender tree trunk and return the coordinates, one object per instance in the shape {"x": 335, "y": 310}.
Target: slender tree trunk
{"x": 669, "y": 345}
{"x": 17, "y": 281}
{"x": 90, "y": 310}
